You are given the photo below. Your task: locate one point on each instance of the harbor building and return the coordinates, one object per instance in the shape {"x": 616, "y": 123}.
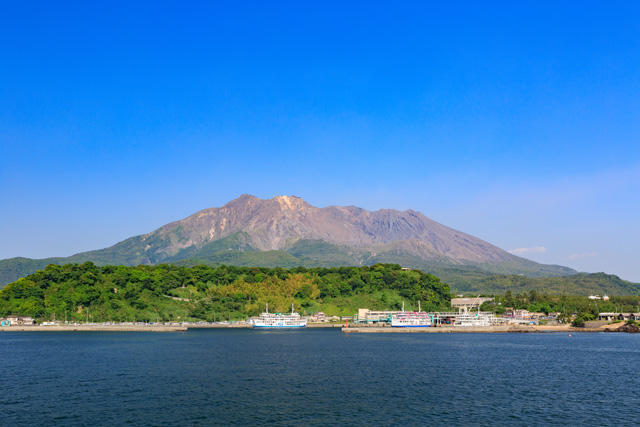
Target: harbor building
{"x": 318, "y": 317}
{"x": 17, "y": 321}
{"x": 371, "y": 316}
{"x": 618, "y": 316}
{"x": 468, "y": 304}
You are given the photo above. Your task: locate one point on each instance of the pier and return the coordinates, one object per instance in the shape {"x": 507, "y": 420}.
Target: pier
{"x": 510, "y": 328}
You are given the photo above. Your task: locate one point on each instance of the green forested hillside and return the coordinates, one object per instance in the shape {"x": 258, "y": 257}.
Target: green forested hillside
{"x": 460, "y": 278}
{"x": 168, "y": 292}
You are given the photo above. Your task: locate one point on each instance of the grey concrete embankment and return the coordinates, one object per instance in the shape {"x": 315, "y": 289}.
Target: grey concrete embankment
{"x": 457, "y": 330}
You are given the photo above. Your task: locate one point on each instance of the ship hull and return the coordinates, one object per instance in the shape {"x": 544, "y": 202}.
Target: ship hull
{"x": 278, "y": 320}
{"x": 410, "y": 326}
{"x": 278, "y": 327}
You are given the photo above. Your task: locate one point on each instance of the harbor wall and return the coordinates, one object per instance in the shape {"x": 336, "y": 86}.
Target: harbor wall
{"x": 483, "y": 329}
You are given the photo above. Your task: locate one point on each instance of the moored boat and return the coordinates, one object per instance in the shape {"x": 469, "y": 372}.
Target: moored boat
{"x": 278, "y": 320}
{"x": 473, "y": 319}
{"x": 414, "y": 319}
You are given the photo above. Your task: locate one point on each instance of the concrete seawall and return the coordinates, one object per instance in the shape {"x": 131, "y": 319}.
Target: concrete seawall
{"x": 484, "y": 330}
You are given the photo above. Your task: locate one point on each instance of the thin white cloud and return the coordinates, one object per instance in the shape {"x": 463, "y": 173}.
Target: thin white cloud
{"x": 583, "y": 255}
{"x": 532, "y": 250}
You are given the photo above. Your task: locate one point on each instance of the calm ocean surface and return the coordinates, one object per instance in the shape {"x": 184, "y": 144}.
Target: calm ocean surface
{"x": 318, "y": 376}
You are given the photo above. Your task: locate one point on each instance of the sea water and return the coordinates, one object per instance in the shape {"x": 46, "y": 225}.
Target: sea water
{"x": 317, "y": 376}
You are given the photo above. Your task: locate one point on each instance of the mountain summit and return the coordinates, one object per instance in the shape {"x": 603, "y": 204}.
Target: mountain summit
{"x": 279, "y": 223}
{"x": 287, "y": 231}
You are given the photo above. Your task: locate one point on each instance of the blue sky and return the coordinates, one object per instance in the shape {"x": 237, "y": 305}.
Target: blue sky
{"x": 518, "y": 123}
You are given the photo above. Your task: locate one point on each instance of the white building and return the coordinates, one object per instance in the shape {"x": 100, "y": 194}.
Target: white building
{"x": 371, "y": 316}
{"x": 18, "y": 321}
{"x": 467, "y": 304}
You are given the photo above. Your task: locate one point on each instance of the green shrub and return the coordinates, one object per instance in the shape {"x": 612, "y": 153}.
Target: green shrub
{"x": 578, "y": 322}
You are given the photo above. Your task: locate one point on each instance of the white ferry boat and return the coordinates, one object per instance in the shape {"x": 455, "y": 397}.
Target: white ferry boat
{"x": 415, "y": 319}
{"x": 278, "y": 320}
{"x": 472, "y": 319}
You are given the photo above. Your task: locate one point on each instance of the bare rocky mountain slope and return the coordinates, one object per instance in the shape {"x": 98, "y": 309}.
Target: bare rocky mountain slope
{"x": 287, "y": 231}
{"x": 278, "y": 223}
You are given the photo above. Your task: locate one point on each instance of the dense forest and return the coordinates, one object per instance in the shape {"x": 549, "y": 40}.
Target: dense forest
{"x": 165, "y": 292}
{"x": 461, "y": 279}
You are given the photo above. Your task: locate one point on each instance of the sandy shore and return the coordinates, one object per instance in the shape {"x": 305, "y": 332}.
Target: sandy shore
{"x": 249, "y": 326}
{"x": 142, "y": 328}
{"x": 365, "y": 330}
{"x": 220, "y": 326}
{"x": 94, "y": 328}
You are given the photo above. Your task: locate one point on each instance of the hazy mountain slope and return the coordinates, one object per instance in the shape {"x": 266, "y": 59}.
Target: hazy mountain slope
{"x": 577, "y": 284}
{"x": 288, "y": 230}
{"x": 12, "y": 269}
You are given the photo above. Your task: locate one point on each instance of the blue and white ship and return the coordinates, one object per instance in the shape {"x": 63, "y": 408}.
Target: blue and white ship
{"x": 278, "y": 320}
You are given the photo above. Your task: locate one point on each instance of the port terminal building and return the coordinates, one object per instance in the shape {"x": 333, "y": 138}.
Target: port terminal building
{"x": 468, "y": 304}
{"x": 17, "y": 321}
{"x": 366, "y": 316}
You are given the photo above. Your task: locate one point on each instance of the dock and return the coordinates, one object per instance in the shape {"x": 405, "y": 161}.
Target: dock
{"x": 477, "y": 330}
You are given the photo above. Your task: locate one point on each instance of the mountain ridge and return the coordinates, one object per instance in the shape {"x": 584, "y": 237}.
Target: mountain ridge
{"x": 287, "y": 228}
{"x": 279, "y": 222}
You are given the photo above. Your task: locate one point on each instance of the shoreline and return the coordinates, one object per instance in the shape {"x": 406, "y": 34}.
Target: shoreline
{"x": 249, "y": 326}
{"x": 139, "y": 328}
{"x": 349, "y": 330}
{"x": 94, "y": 328}
{"x": 484, "y": 329}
